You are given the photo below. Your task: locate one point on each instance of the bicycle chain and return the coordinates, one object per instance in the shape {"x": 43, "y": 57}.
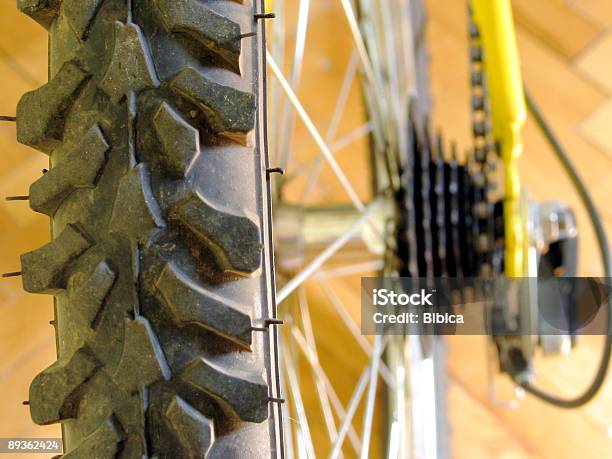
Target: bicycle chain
{"x": 485, "y": 158}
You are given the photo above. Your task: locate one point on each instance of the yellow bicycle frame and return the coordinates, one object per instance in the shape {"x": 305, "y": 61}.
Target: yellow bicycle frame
{"x": 508, "y": 112}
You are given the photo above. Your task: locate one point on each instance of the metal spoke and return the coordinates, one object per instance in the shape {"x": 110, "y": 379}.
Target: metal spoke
{"x": 287, "y": 430}
{"x": 353, "y": 404}
{"x": 350, "y": 270}
{"x": 317, "y": 162}
{"x": 371, "y": 400}
{"x": 302, "y": 452}
{"x": 345, "y": 90}
{"x": 346, "y": 317}
{"x": 375, "y": 94}
{"x": 315, "y": 134}
{"x": 355, "y": 331}
{"x": 321, "y": 392}
{"x": 350, "y": 412}
{"x": 384, "y": 147}
{"x": 362, "y": 51}
{"x": 333, "y": 396}
{"x": 296, "y": 397}
{"x": 295, "y": 76}
{"x": 349, "y": 138}
{"x": 327, "y": 253}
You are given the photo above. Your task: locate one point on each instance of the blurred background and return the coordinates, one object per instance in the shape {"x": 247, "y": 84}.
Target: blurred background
{"x": 566, "y": 52}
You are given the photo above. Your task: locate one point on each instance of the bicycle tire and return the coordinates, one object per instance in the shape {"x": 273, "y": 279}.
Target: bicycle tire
{"x": 160, "y": 261}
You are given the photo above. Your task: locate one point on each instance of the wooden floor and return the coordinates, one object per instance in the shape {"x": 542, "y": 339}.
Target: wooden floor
{"x": 566, "y": 51}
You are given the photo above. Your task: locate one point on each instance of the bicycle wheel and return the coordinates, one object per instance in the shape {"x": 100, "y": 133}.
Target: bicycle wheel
{"x": 320, "y": 242}
{"x": 154, "y": 122}
{"x": 160, "y": 259}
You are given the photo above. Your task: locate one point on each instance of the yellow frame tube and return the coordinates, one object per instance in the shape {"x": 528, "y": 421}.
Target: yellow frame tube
{"x": 508, "y": 113}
